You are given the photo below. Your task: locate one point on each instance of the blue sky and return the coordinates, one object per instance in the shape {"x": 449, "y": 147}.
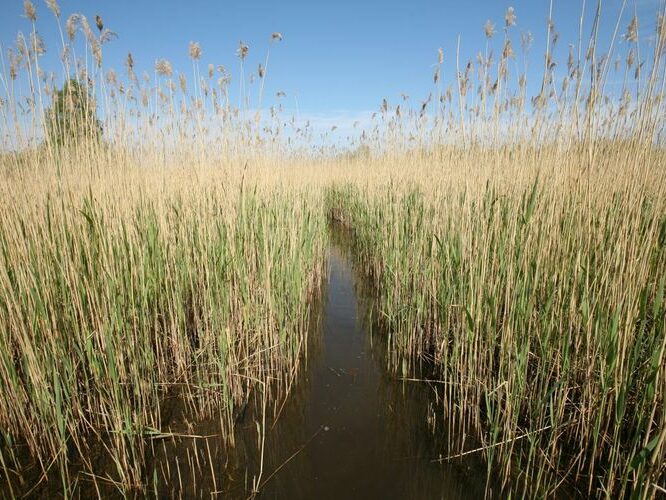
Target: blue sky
{"x": 338, "y": 58}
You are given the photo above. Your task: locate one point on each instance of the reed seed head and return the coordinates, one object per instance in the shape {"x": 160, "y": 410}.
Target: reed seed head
{"x": 242, "y": 50}
{"x": 510, "y": 17}
{"x": 507, "y": 52}
{"x": 526, "y": 40}
{"x": 195, "y": 51}
{"x": 96, "y": 49}
{"x": 111, "y": 77}
{"x": 37, "y": 44}
{"x": 489, "y": 29}
{"x": 29, "y": 10}
{"x": 163, "y": 68}
{"x": 71, "y": 25}
{"x": 107, "y": 35}
{"x": 661, "y": 32}
{"x": 85, "y": 27}
{"x": 632, "y": 30}
{"x": 53, "y": 7}
{"x": 22, "y": 47}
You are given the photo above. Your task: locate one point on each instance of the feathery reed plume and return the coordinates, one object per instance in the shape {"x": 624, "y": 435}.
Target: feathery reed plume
{"x": 14, "y": 63}
{"x": 526, "y": 40}
{"x": 111, "y": 77}
{"x": 489, "y": 29}
{"x": 37, "y": 44}
{"x": 510, "y": 17}
{"x": 507, "y": 51}
{"x": 22, "y": 47}
{"x": 195, "y": 51}
{"x": 424, "y": 105}
{"x": 72, "y": 25}
{"x": 87, "y": 31}
{"x": 632, "y": 30}
{"x": 107, "y": 35}
{"x": 660, "y": 28}
{"x": 260, "y": 71}
{"x": 163, "y": 68}
{"x": 242, "y": 50}
{"x": 96, "y": 49}
{"x": 53, "y": 7}
{"x": 29, "y": 10}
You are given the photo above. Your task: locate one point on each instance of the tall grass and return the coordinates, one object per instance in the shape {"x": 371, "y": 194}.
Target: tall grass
{"x": 540, "y": 304}
{"x": 517, "y": 243}
{"x": 522, "y": 255}
{"x": 113, "y": 301}
{"x": 146, "y": 266}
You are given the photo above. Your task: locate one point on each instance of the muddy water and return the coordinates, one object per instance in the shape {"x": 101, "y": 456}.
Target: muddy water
{"x": 351, "y": 430}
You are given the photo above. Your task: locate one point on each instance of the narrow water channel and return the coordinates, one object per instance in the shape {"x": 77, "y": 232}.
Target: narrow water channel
{"x": 351, "y": 430}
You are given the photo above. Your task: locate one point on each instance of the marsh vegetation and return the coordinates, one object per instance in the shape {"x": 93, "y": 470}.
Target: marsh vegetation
{"x": 163, "y": 249}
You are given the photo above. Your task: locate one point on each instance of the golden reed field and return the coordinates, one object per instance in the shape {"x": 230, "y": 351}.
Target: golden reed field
{"x": 160, "y": 243}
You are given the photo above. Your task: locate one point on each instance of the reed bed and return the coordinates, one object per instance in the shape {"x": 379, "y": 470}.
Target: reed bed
{"x": 539, "y": 306}
{"x": 160, "y": 242}
{"x": 149, "y": 276}
{"x": 113, "y": 300}
{"x": 521, "y": 256}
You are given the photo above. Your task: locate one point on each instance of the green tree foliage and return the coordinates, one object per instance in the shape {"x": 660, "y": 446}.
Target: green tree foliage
{"x": 72, "y": 119}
